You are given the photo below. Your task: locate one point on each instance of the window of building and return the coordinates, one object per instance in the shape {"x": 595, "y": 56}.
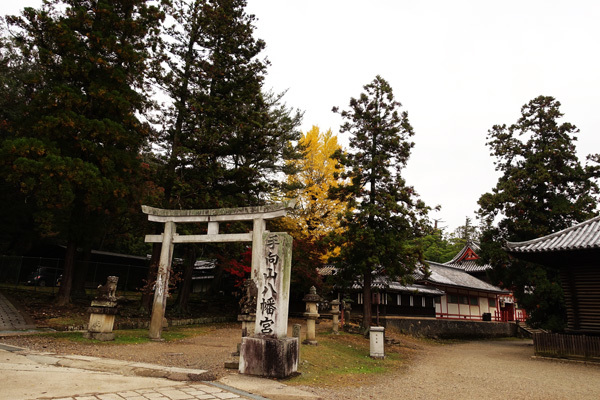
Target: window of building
{"x": 453, "y": 298}
{"x": 360, "y": 298}
{"x": 379, "y": 298}
{"x": 463, "y": 299}
{"x": 423, "y": 301}
{"x": 399, "y": 299}
{"x": 491, "y": 302}
{"x": 473, "y": 300}
{"x": 412, "y": 303}
{"x": 438, "y": 300}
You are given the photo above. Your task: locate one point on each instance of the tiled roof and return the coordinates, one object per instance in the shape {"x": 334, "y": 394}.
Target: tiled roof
{"x": 445, "y": 275}
{"x": 468, "y": 265}
{"x": 585, "y": 235}
{"x": 383, "y": 283}
{"x": 327, "y": 270}
{"x": 470, "y": 245}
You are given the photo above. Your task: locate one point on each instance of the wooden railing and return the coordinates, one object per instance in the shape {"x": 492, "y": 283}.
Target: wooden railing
{"x": 466, "y": 317}
{"x": 505, "y": 316}
{"x": 567, "y": 346}
{"x": 498, "y": 316}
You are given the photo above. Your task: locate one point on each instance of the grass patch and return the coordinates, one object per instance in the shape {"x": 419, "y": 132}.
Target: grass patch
{"x": 342, "y": 359}
{"x": 129, "y": 336}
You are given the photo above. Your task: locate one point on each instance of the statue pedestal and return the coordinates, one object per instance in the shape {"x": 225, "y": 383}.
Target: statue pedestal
{"x": 269, "y": 357}
{"x": 102, "y": 320}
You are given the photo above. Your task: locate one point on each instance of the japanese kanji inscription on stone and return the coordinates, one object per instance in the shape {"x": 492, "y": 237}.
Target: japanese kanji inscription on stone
{"x": 274, "y": 285}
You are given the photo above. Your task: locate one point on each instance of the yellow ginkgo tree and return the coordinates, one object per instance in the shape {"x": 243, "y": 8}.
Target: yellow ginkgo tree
{"x": 316, "y": 215}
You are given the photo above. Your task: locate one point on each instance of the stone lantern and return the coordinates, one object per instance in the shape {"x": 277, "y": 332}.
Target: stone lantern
{"x": 347, "y": 310}
{"x": 335, "y": 313}
{"x": 311, "y": 314}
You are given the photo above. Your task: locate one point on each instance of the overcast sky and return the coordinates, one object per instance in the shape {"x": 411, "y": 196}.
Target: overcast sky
{"x": 458, "y": 68}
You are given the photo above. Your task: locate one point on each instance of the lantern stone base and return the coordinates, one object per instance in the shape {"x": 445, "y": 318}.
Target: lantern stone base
{"x": 269, "y": 357}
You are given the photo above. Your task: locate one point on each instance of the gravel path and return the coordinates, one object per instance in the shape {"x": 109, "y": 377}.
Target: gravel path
{"x": 499, "y": 369}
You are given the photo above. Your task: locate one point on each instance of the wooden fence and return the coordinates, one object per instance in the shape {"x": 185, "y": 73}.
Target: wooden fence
{"x": 567, "y": 346}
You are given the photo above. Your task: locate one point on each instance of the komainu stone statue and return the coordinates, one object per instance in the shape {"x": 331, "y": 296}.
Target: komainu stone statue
{"x": 108, "y": 291}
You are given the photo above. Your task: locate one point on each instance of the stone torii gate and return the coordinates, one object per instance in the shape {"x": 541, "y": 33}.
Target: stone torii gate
{"x": 258, "y": 215}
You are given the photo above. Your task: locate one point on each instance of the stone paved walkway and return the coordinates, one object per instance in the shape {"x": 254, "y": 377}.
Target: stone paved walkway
{"x": 10, "y": 318}
{"x": 29, "y": 375}
{"x": 189, "y": 392}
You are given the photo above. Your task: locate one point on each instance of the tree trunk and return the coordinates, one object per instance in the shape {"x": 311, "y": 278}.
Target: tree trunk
{"x": 186, "y": 284}
{"x": 79, "y": 275}
{"x": 64, "y": 292}
{"x": 367, "y": 316}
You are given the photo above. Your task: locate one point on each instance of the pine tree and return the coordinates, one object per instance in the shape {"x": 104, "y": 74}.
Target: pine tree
{"x": 543, "y": 189}
{"x": 75, "y": 151}
{"x": 384, "y": 214}
{"x": 225, "y": 139}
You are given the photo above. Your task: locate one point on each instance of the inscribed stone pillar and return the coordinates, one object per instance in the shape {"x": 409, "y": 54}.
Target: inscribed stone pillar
{"x": 273, "y": 283}
{"x": 269, "y": 352}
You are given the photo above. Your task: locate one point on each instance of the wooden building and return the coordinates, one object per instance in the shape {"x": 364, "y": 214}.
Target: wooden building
{"x": 575, "y": 252}
{"x": 467, "y": 260}
{"x": 465, "y": 296}
{"x": 393, "y": 298}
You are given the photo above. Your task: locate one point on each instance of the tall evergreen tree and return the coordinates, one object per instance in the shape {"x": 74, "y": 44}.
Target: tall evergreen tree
{"x": 543, "y": 189}
{"x": 19, "y": 79}
{"x": 75, "y": 153}
{"x": 225, "y": 140}
{"x": 384, "y": 214}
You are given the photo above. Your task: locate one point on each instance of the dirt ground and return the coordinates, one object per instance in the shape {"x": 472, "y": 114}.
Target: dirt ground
{"x": 487, "y": 369}
{"x": 490, "y": 369}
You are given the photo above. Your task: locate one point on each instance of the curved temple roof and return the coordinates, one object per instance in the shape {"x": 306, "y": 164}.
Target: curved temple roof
{"x": 585, "y": 235}
{"x": 466, "y": 259}
{"x": 446, "y": 275}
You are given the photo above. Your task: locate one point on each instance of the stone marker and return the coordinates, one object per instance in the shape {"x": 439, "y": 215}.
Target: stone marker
{"x": 269, "y": 352}
{"x": 311, "y": 299}
{"x": 377, "y": 337}
{"x": 103, "y": 311}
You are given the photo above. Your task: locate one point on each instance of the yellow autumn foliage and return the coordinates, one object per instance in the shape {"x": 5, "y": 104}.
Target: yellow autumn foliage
{"x": 315, "y": 215}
